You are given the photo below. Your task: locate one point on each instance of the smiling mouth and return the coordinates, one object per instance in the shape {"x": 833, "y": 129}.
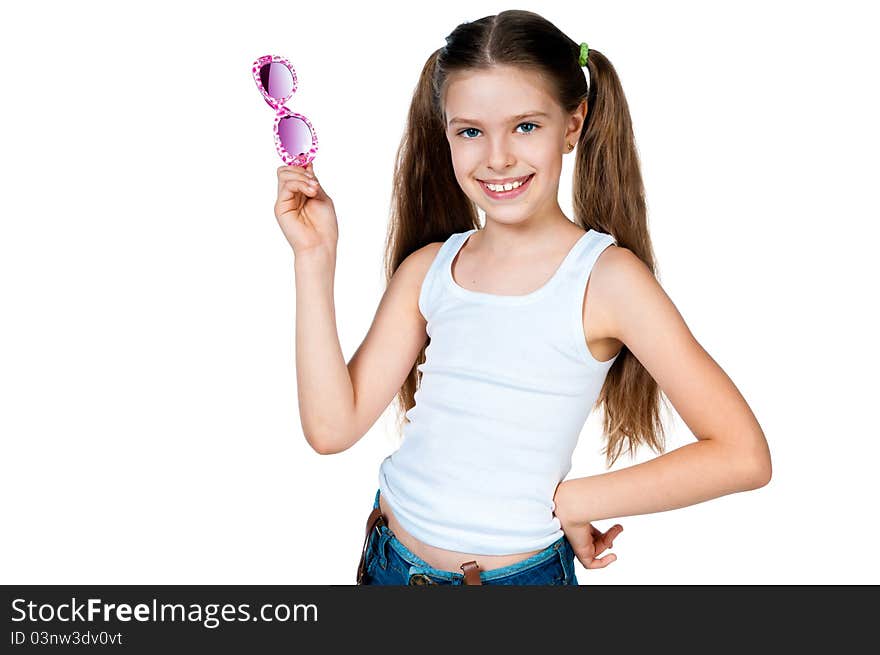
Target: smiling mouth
{"x": 522, "y": 180}
{"x": 501, "y": 193}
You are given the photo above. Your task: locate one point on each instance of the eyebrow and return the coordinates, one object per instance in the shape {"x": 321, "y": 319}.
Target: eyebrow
{"x": 511, "y": 119}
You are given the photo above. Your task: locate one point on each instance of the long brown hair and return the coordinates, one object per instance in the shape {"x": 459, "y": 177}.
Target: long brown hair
{"x": 428, "y": 205}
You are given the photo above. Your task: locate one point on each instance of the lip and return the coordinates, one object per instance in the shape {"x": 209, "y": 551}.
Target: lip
{"x": 507, "y": 195}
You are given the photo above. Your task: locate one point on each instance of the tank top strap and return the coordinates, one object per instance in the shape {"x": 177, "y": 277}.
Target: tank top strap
{"x": 575, "y": 289}
{"x": 588, "y": 252}
{"x": 577, "y": 264}
{"x": 574, "y": 259}
{"x": 451, "y": 246}
{"x": 433, "y": 283}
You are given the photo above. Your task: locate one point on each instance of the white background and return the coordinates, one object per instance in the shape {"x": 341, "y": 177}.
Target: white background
{"x": 148, "y": 402}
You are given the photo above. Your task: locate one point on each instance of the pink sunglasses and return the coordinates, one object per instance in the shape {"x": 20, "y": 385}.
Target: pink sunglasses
{"x": 295, "y": 138}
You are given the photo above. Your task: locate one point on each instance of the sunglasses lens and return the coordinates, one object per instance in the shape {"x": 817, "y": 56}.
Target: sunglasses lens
{"x": 296, "y": 137}
{"x": 277, "y": 80}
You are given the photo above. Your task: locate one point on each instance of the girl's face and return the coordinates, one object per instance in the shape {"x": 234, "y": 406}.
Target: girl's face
{"x": 502, "y": 124}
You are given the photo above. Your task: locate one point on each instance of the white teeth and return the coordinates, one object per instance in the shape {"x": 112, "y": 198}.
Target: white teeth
{"x": 506, "y": 187}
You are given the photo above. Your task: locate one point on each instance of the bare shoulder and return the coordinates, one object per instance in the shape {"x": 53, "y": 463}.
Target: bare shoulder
{"x": 618, "y": 276}
{"x": 422, "y": 258}
{"x": 627, "y": 298}
{"x": 619, "y": 265}
{"x": 414, "y": 267}
{"x": 409, "y": 276}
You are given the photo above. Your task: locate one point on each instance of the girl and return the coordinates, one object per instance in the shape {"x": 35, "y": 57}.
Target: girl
{"x": 499, "y": 339}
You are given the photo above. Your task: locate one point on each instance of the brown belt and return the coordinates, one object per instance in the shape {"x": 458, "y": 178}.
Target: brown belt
{"x": 471, "y": 569}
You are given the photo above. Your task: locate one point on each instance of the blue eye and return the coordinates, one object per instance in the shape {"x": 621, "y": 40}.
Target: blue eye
{"x": 470, "y": 129}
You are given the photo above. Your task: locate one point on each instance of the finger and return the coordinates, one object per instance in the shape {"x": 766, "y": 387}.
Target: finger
{"x": 600, "y": 543}
{"x": 291, "y": 167}
{"x": 293, "y": 186}
{"x": 301, "y": 186}
{"x": 612, "y": 533}
{"x": 302, "y": 179}
{"x": 295, "y": 173}
{"x": 606, "y": 539}
{"x": 317, "y": 184}
{"x": 601, "y": 562}
{"x": 310, "y": 171}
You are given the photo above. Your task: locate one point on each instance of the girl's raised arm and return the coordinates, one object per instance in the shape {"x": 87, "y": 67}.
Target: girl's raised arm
{"x": 339, "y": 403}
{"x": 308, "y": 219}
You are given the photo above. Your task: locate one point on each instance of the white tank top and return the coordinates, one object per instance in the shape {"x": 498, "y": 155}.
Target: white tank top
{"x": 507, "y": 385}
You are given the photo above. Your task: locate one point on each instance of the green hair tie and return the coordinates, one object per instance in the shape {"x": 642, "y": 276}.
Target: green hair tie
{"x": 585, "y": 53}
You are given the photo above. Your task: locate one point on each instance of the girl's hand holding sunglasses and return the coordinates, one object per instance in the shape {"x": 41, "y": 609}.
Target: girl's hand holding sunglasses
{"x": 304, "y": 210}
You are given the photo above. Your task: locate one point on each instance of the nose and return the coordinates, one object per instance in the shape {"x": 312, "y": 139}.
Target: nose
{"x": 500, "y": 155}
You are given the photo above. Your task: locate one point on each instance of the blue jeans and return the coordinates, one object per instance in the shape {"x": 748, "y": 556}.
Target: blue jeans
{"x": 388, "y": 562}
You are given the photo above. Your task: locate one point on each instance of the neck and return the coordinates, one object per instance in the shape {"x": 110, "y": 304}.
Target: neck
{"x": 499, "y": 239}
